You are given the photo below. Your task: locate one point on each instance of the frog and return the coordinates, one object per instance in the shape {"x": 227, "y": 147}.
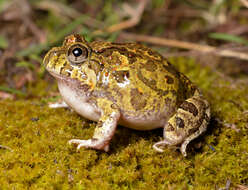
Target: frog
{"x": 127, "y": 84}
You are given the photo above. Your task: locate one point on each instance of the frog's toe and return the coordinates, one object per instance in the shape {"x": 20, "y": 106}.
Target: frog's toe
{"x": 74, "y": 141}
{"x": 106, "y": 148}
{"x": 91, "y": 143}
{"x": 80, "y": 143}
{"x": 157, "y": 146}
{"x": 58, "y": 105}
{"x": 183, "y": 150}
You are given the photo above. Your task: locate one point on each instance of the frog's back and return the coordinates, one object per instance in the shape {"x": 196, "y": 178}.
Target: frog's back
{"x": 130, "y": 50}
{"x": 139, "y": 79}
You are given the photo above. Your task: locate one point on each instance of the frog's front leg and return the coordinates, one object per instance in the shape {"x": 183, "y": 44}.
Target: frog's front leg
{"x": 105, "y": 128}
{"x": 189, "y": 121}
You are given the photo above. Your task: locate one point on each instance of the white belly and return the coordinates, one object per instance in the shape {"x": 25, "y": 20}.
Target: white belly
{"x": 78, "y": 102}
{"x": 142, "y": 122}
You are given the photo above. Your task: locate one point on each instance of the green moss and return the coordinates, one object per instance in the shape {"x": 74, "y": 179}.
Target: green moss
{"x": 42, "y": 159}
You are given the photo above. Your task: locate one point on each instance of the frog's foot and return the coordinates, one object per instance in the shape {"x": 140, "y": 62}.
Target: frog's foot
{"x": 189, "y": 121}
{"x": 178, "y": 140}
{"x": 164, "y": 143}
{"x": 91, "y": 143}
{"x": 104, "y": 130}
{"x": 159, "y": 144}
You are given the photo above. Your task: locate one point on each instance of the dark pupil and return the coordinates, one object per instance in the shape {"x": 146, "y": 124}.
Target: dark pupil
{"x": 77, "y": 52}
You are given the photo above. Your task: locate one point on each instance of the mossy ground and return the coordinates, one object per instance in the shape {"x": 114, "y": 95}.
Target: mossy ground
{"x": 42, "y": 159}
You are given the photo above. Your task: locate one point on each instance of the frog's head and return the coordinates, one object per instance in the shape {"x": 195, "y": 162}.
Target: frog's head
{"x": 70, "y": 61}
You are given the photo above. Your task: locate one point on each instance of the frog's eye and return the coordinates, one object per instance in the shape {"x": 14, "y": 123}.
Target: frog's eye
{"x": 77, "y": 53}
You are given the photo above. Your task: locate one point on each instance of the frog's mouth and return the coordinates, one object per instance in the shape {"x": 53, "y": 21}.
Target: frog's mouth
{"x": 57, "y": 76}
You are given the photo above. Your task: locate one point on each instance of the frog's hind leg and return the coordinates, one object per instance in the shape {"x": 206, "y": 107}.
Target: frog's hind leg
{"x": 189, "y": 121}
{"x": 194, "y": 135}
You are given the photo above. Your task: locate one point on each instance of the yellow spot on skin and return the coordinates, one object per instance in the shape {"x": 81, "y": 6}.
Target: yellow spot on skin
{"x": 140, "y": 90}
{"x": 92, "y": 85}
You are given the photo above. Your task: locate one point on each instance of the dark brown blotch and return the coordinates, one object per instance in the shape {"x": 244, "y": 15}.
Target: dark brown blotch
{"x": 132, "y": 59}
{"x": 169, "y": 127}
{"x": 193, "y": 130}
{"x": 171, "y": 70}
{"x": 155, "y": 54}
{"x": 131, "y": 56}
{"x": 107, "y": 52}
{"x": 179, "y": 122}
{"x": 174, "y": 92}
{"x": 206, "y": 117}
{"x": 169, "y": 79}
{"x": 150, "y": 66}
{"x": 168, "y": 101}
{"x": 150, "y": 52}
{"x": 190, "y": 107}
{"x": 78, "y": 38}
{"x": 151, "y": 83}
{"x": 199, "y": 122}
{"x": 162, "y": 92}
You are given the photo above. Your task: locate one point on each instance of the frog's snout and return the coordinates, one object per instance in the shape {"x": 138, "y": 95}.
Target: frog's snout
{"x": 52, "y": 57}
{"x": 47, "y": 58}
